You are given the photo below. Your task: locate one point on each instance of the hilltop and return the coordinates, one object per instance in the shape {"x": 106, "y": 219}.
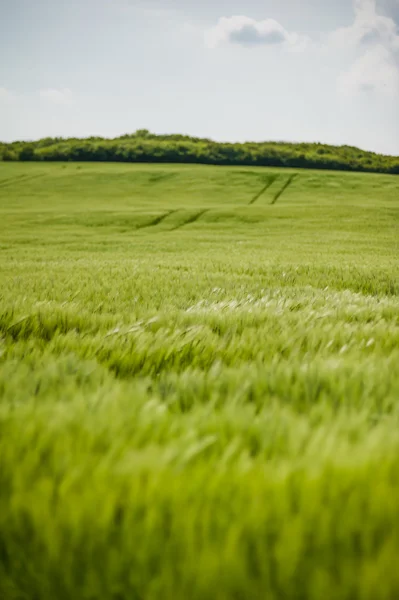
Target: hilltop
{"x": 146, "y": 147}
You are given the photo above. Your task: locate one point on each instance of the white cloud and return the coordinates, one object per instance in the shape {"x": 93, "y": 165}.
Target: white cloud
{"x": 368, "y": 27}
{"x": 248, "y": 32}
{"x": 53, "y": 96}
{"x": 5, "y": 94}
{"x": 375, "y": 39}
{"x": 60, "y": 97}
{"x": 365, "y": 7}
{"x": 373, "y": 70}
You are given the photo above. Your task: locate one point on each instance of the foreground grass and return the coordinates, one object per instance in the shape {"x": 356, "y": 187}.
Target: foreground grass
{"x": 198, "y": 383}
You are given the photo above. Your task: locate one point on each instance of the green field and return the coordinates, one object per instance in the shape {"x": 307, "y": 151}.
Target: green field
{"x": 199, "y": 383}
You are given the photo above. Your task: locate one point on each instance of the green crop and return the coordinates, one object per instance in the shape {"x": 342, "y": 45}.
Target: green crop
{"x": 199, "y": 383}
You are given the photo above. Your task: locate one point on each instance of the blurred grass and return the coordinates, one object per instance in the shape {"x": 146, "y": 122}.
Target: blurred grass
{"x": 198, "y": 396}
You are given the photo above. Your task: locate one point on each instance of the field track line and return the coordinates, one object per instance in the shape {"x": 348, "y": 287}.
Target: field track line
{"x": 156, "y": 178}
{"x": 157, "y": 220}
{"x": 192, "y": 219}
{"x": 11, "y": 179}
{"x": 19, "y": 179}
{"x": 285, "y": 186}
{"x": 271, "y": 179}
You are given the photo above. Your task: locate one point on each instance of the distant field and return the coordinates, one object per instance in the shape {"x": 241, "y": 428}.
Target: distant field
{"x": 199, "y": 383}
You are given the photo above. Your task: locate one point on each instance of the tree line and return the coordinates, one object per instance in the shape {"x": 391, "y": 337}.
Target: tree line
{"x": 147, "y": 147}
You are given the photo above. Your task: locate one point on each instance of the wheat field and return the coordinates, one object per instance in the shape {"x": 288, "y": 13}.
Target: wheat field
{"x": 199, "y": 383}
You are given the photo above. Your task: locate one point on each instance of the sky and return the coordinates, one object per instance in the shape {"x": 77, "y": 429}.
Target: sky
{"x": 231, "y": 70}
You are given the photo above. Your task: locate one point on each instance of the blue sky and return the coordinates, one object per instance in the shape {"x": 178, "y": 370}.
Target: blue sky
{"x": 309, "y": 70}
